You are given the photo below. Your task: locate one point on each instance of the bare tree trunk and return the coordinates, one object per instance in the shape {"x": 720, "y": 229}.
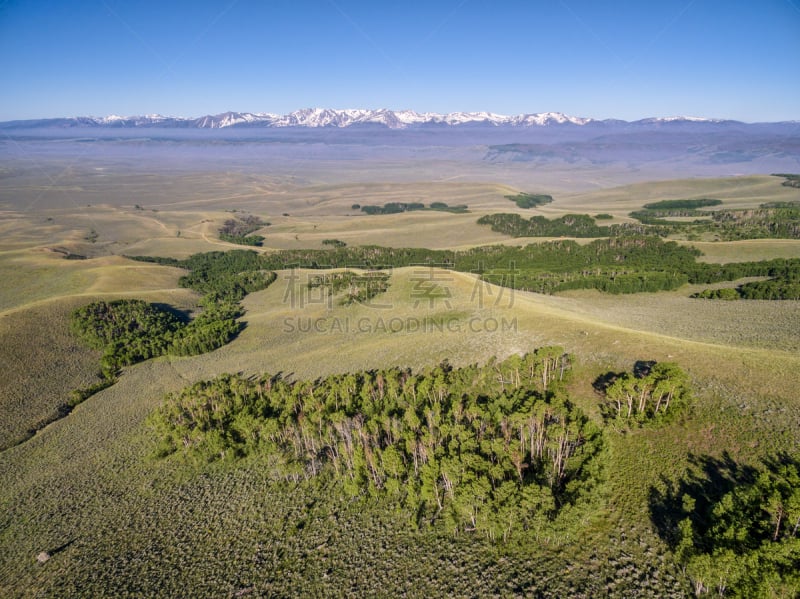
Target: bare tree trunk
{"x": 778, "y": 524}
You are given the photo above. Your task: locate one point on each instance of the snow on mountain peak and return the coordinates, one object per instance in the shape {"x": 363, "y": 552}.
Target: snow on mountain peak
{"x": 328, "y": 117}
{"x": 392, "y": 119}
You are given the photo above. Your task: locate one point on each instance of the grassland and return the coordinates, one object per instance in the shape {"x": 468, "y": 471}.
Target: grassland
{"x": 127, "y": 513}
{"x": 117, "y": 522}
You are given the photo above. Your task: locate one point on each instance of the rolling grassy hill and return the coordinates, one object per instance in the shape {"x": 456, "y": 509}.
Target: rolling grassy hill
{"x": 116, "y": 521}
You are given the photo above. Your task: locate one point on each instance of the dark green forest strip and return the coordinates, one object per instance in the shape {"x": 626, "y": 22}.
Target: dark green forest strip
{"x": 399, "y": 207}
{"x": 773, "y": 220}
{"x": 615, "y": 265}
{"x": 784, "y": 285}
{"x": 569, "y": 225}
{"x": 790, "y": 179}
{"x": 682, "y": 204}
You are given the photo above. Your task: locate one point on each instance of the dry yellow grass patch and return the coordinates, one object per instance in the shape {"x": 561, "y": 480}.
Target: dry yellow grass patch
{"x": 735, "y": 192}
{"x": 722, "y": 252}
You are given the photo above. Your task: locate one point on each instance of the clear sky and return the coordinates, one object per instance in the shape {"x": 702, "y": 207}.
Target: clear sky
{"x": 625, "y": 59}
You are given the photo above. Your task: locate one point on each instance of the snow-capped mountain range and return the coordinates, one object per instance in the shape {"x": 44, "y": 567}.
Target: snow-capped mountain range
{"x": 393, "y": 119}
{"x": 326, "y": 117}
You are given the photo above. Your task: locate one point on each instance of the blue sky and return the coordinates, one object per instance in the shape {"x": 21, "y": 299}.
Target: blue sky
{"x": 623, "y": 59}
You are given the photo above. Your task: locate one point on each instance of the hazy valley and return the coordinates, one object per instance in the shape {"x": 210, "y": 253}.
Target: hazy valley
{"x": 122, "y": 507}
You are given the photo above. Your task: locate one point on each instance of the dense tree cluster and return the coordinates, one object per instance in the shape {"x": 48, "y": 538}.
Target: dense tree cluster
{"x": 771, "y": 220}
{"x": 487, "y": 449}
{"x": 757, "y": 223}
{"x": 616, "y": 265}
{"x": 726, "y": 293}
{"x": 337, "y": 243}
{"x": 790, "y": 180}
{"x": 774, "y": 289}
{"x": 780, "y": 220}
{"x": 569, "y": 225}
{"x": 735, "y": 528}
{"x": 530, "y": 200}
{"x": 393, "y": 208}
{"x": 398, "y": 207}
{"x": 651, "y": 393}
{"x": 657, "y": 213}
{"x": 791, "y": 204}
{"x": 127, "y": 331}
{"x": 252, "y": 240}
{"x": 131, "y": 331}
{"x": 668, "y": 205}
{"x": 620, "y": 282}
{"x": 225, "y": 276}
{"x": 358, "y": 287}
{"x": 661, "y": 217}
{"x": 783, "y": 284}
{"x": 714, "y": 273}
{"x": 238, "y": 230}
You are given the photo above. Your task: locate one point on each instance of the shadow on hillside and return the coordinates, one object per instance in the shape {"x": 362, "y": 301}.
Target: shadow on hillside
{"x": 181, "y": 315}
{"x": 707, "y": 482}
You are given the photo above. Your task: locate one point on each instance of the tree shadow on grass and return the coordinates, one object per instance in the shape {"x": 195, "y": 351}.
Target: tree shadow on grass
{"x": 605, "y": 380}
{"x": 181, "y": 315}
{"x": 704, "y": 485}
{"x": 707, "y": 481}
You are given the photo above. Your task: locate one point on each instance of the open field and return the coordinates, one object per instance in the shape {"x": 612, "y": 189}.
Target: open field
{"x": 735, "y": 192}
{"x": 722, "y": 252}
{"x": 118, "y": 522}
{"x": 116, "y": 212}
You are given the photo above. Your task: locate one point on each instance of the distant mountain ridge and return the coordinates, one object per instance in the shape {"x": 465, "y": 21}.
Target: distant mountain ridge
{"x": 326, "y": 117}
